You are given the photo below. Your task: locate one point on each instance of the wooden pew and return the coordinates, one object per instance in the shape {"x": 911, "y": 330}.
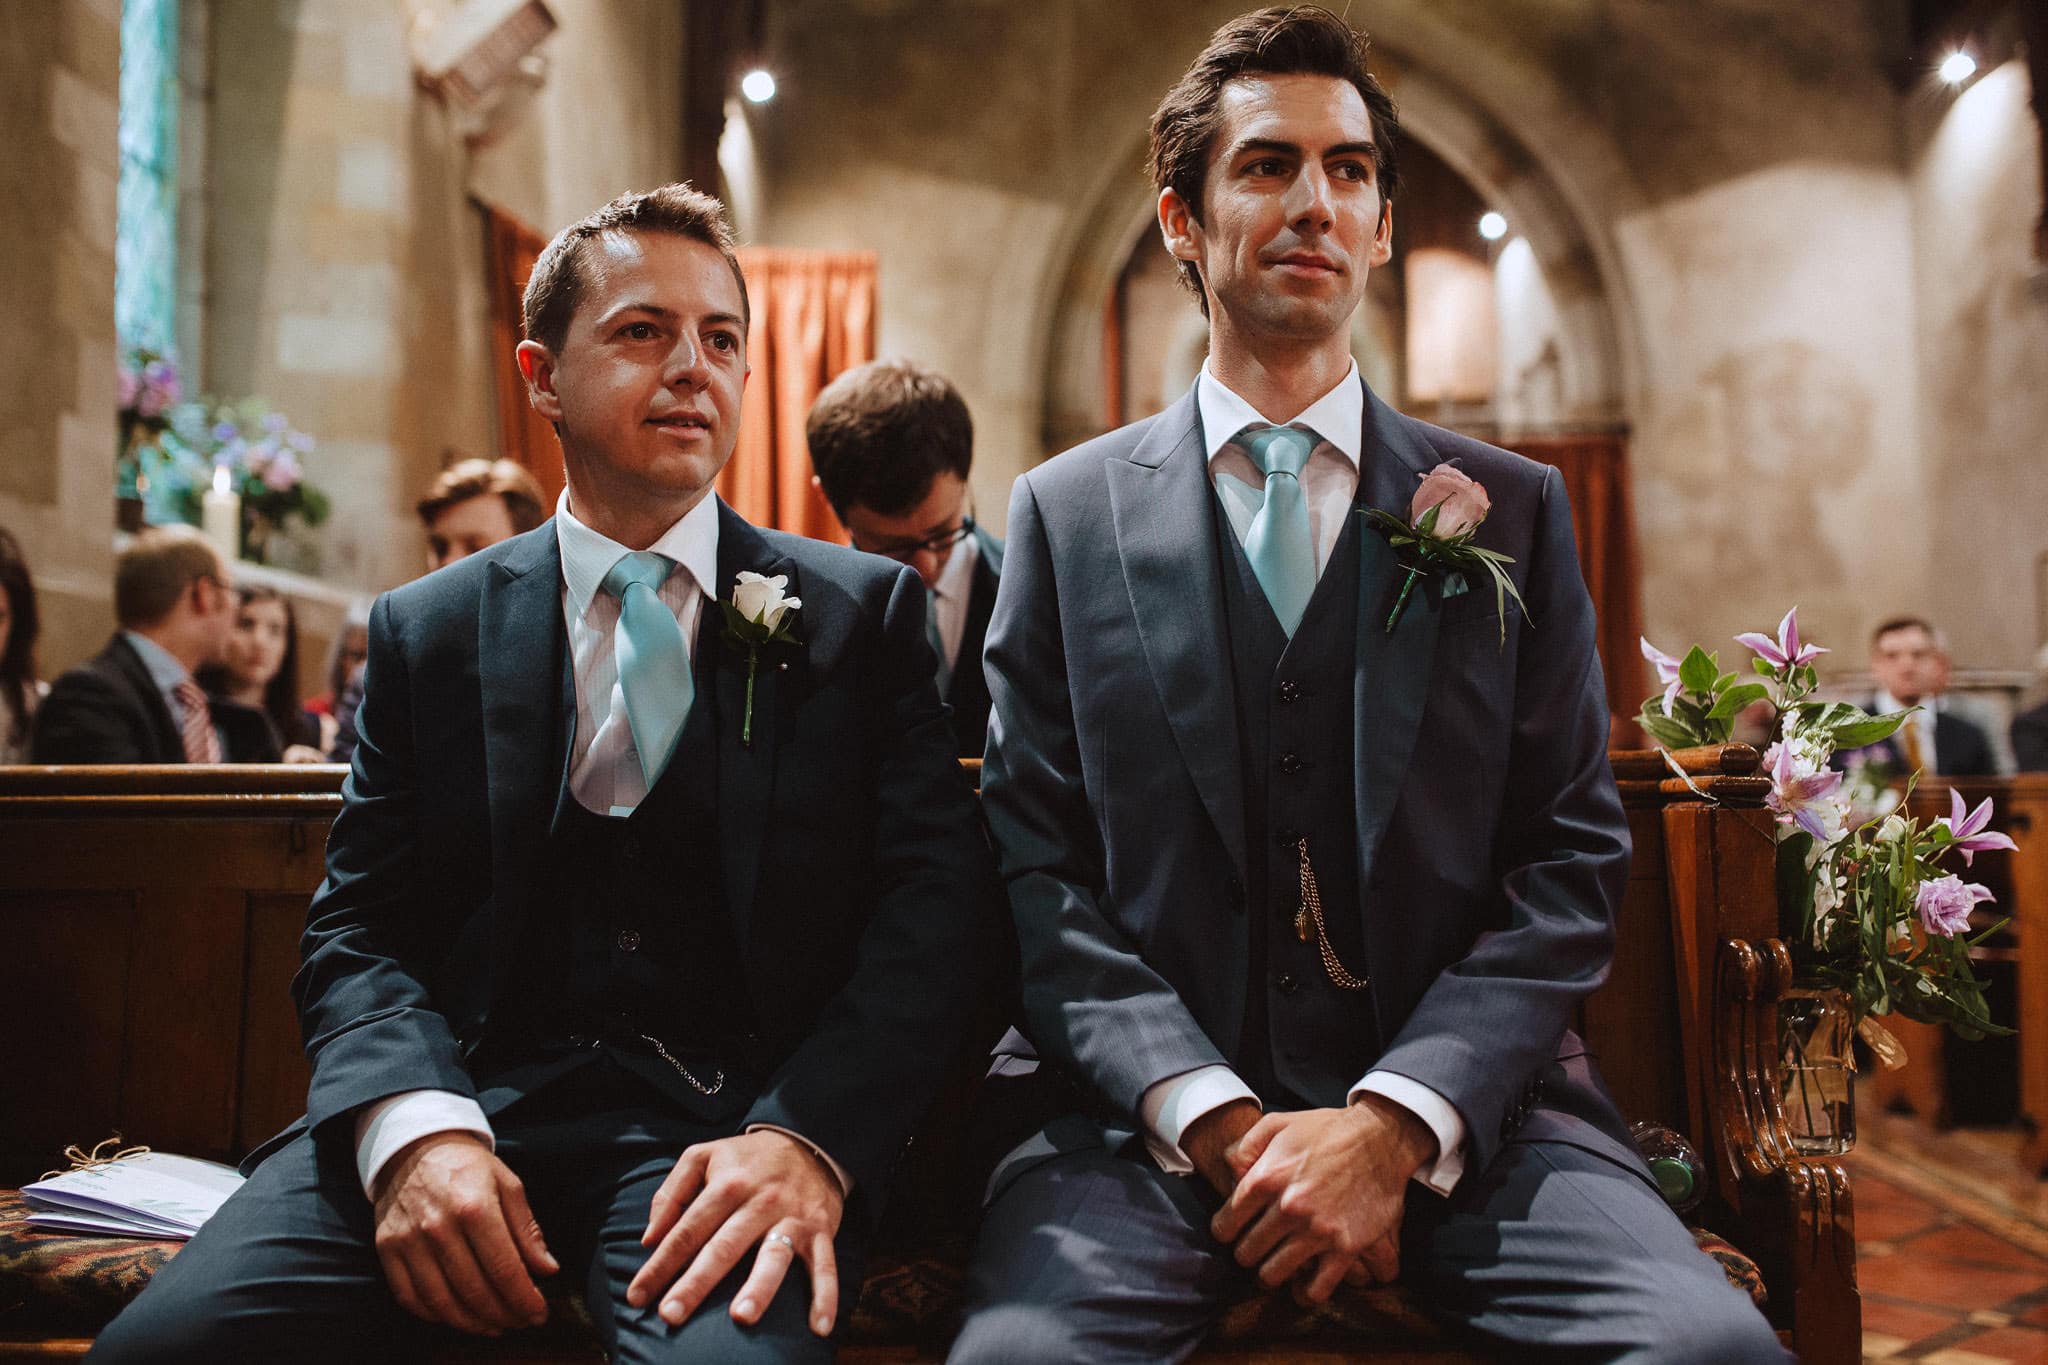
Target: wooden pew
{"x": 153, "y": 916}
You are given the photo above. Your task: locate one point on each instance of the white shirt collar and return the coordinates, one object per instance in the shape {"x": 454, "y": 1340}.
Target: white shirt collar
{"x": 1338, "y": 417}
{"x": 958, "y": 574}
{"x": 587, "y": 555}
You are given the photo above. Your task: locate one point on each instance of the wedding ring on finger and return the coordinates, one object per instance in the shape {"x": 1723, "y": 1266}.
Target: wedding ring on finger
{"x": 783, "y": 1238}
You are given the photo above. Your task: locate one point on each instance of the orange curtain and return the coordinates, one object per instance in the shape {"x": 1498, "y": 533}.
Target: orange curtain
{"x": 813, "y": 317}
{"x": 1595, "y": 470}
{"x": 510, "y": 249}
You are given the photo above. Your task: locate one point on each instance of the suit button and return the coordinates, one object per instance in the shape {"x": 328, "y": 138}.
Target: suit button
{"x": 1287, "y": 983}
{"x": 1290, "y": 763}
{"x": 1290, "y": 690}
{"x": 1287, "y": 836}
{"x": 628, "y": 940}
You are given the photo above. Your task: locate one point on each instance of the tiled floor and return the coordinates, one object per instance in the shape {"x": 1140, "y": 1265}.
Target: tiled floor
{"x": 1952, "y": 1246}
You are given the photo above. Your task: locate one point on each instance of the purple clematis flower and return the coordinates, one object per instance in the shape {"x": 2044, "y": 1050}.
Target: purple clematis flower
{"x": 1945, "y": 904}
{"x": 1801, "y": 799}
{"x": 1785, "y": 651}
{"x": 1667, "y": 670}
{"x": 1967, "y": 829}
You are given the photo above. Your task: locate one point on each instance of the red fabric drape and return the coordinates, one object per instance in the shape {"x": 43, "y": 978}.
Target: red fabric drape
{"x": 510, "y": 249}
{"x": 813, "y": 317}
{"x": 1595, "y": 470}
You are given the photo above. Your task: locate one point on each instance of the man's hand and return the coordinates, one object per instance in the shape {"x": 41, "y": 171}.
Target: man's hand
{"x": 1324, "y": 1185}
{"x": 1209, "y": 1140}
{"x": 723, "y": 1198}
{"x": 456, "y": 1239}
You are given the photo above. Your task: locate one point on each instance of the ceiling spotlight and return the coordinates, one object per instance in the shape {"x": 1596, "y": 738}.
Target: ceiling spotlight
{"x": 1958, "y": 67}
{"x": 1493, "y": 226}
{"x": 758, "y": 86}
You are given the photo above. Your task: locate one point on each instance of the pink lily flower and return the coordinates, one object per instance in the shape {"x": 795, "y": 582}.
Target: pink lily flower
{"x": 1785, "y": 651}
{"x": 1800, "y": 800}
{"x": 1967, "y": 829}
{"x": 1667, "y": 670}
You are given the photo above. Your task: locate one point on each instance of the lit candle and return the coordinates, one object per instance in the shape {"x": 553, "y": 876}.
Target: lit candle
{"x": 221, "y": 515}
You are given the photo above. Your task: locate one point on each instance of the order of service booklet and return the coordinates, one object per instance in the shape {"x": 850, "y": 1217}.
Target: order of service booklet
{"x": 151, "y": 1194}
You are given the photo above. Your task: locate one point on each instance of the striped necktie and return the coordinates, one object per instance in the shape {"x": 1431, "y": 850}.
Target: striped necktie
{"x": 195, "y": 724}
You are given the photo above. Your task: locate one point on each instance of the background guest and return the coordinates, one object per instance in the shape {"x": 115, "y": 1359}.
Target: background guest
{"x": 477, "y": 503}
{"x": 2030, "y": 724}
{"x": 261, "y": 670}
{"x": 474, "y": 504}
{"x": 20, "y": 690}
{"x": 137, "y": 700}
{"x": 1910, "y": 664}
{"x": 351, "y": 646}
{"x": 892, "y": 444}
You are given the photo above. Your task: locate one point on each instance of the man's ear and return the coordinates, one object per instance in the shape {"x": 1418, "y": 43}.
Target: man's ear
{"x": 1178, "y": 228}
{"x": 537, "y": 368}
{"x": 1383, "y": 240}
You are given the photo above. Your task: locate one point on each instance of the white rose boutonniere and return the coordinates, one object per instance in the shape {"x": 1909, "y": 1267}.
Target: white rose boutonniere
{"x": 758, "y": 614}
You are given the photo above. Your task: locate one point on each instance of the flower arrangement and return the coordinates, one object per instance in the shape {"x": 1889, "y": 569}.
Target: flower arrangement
{"x": 150, "y": 388}
{"x": 264, "y": 456}
{"x": 1870, "y": 908}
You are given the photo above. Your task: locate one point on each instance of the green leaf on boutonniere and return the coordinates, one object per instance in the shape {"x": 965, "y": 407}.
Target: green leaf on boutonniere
{"x": 1421, "y": 551}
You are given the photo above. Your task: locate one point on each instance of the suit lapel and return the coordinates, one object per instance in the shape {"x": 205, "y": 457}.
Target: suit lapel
{"x": 746, "y": 771}
{"x": 1391, "y": 681}
{"x": 519, "y": 621}
{"x": 125, "y": 661}
{"x": 1165, "y": 535}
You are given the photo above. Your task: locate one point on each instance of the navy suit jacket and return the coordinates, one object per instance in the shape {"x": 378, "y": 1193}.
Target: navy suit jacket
{"x": 1492, "y": 847}
{"x": 108, "y": 710}
{"x": 857, "y": 879}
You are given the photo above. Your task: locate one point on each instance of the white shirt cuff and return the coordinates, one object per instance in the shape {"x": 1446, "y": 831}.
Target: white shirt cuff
{"x": 384, "y": 1126}
{"x": 1438, "y": 1113}
{"x": 1167, "y": 1108}
{"x": 839, "y": 1172}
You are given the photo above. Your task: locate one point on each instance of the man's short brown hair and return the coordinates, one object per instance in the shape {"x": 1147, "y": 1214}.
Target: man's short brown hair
{"x": 555, "y": 287}
{"x": 156, "y": 568}
{"x": 466, "y": 479}
{"x": 1283, "y": 40}
{"x": 881, "y": 432}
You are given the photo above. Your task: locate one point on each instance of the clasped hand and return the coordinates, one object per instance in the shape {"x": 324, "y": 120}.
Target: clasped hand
{"x": 459, "y": 1244}
{"x": 1317, "y": 1185}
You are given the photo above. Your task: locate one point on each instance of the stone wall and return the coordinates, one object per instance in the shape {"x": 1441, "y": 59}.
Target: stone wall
{"x": 60, "y": 88}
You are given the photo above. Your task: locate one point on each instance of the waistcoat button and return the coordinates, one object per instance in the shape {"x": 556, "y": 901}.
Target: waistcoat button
{"x": 1290, "y": 690}
{"x": 1290, "y": 763}
{"x": 1287, "y": 983}
{"x": 628, "y": 940}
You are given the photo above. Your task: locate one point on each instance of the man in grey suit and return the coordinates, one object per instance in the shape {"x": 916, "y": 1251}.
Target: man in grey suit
{"x": 1305, "y": 901}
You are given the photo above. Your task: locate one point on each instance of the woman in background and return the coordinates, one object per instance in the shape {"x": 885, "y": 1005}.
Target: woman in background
{"x": 262, "y": 670}
{"x": 20, "y": 689}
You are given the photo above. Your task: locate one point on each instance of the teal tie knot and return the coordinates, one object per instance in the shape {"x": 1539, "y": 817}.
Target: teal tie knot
{"x": 654, "y": 661}
{"x": 1279, "y": 450}
{"x": 642, "y": 567}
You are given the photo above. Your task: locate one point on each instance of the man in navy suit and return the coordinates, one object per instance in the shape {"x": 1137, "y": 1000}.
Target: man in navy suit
{"x": 893, "y": 443}
{"x": 1306, "y": 900}
{"x": 641, "y": 945}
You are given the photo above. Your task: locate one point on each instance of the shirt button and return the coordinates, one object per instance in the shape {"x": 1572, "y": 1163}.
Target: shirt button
{"x": 628, "y": 940}
{"x": 1290, "y": 690}
{"x": 1290, "y": 763}
{"x": 1287, "y": 983}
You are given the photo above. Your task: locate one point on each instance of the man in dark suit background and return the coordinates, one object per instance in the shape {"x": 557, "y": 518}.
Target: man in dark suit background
{"x": 1910, "y": 663}
{"x": 136, "y": 701}
{"x": 1305, "y": 901}
{"x": 638, "y": 955}
{"x": 892, "y": 443}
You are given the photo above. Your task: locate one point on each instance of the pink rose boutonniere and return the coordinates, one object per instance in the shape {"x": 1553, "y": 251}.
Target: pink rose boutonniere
{"x": 1437, "y": 536}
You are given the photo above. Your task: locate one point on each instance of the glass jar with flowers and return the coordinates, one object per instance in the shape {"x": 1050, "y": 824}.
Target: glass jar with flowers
{"x": 1877, "y": 919}
{"x": 149, "y": 390}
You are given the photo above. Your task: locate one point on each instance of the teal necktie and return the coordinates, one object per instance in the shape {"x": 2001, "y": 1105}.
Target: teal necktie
{"x": 1282, "y": 555}
{"x": 654, "y": 663}
{"x": 938, "y": 641}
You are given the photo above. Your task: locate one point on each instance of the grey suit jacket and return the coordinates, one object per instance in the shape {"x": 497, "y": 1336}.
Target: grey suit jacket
{"x": 1491, "y": 845}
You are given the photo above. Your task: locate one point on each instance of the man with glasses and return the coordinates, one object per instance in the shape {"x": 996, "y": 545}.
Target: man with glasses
{"x": 892, "y": 444}
{"x": 136, "y": 701}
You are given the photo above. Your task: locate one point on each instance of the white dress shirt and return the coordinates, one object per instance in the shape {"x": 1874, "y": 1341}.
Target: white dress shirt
{"x": 950, "y": 596}
{"x": 604, "y": 772}
{"x": 1329, "y": 484}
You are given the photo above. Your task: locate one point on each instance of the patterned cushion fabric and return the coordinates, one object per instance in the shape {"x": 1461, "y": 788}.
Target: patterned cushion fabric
{"x": 63, "y": 1280}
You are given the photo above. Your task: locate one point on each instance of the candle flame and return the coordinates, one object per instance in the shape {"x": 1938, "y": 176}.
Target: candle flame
{"x": 220, "y": 478}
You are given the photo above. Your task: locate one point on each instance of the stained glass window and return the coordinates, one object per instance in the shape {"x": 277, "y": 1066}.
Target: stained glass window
{"x": 146, "y": 231}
